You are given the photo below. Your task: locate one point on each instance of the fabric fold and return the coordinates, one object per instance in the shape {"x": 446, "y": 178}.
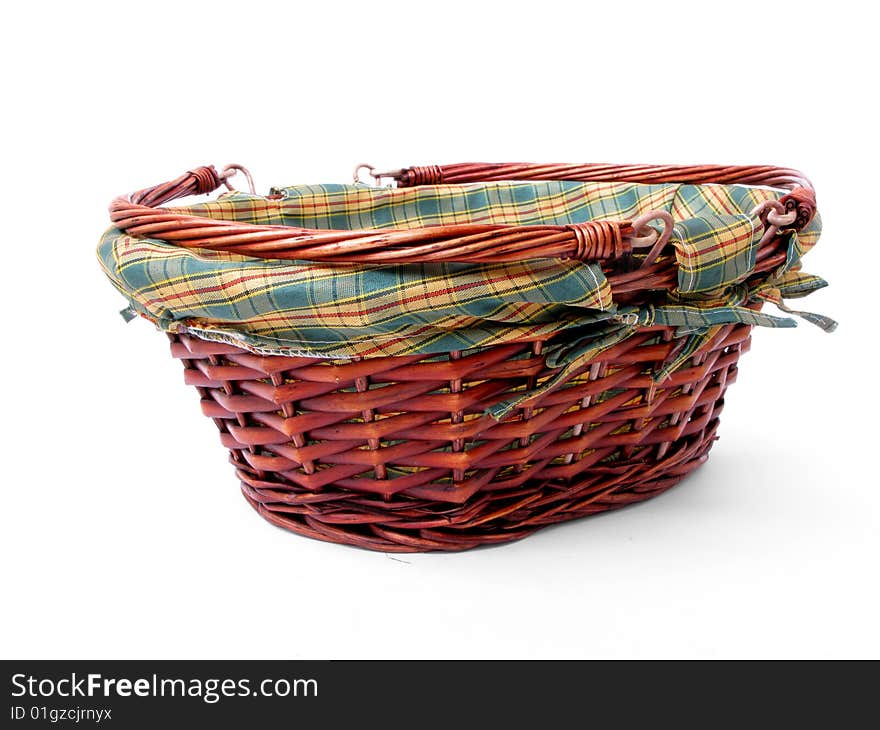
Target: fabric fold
{"x": 344, "y": 310}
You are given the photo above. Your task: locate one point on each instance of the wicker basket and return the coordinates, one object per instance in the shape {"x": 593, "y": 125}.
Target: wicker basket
{"x": 398, "y": 454}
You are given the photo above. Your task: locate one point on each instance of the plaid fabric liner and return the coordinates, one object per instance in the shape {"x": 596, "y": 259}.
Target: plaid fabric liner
{"x": 319, "y": 310}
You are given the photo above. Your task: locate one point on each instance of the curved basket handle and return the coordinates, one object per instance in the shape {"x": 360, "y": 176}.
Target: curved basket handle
{"x": 140, "y": 214}
{"x": 801, "y": 195}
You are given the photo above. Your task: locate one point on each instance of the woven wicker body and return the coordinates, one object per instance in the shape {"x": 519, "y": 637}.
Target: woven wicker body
{"x": 396, "y": 454}
{"x": 401, "y": 453}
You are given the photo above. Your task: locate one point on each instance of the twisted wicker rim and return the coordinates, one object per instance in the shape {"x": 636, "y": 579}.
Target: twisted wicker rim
{"x": 603, "y": 241}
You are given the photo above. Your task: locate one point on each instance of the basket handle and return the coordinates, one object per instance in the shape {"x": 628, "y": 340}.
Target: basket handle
{"x": 798, "y": 185}
{"x": 141, "y": 214}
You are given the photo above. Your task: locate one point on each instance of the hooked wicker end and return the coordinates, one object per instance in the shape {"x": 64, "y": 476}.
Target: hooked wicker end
{"x": 804, "y": 202}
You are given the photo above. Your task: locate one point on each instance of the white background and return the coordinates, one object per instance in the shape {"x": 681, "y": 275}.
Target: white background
{"x": 123, "y": 531}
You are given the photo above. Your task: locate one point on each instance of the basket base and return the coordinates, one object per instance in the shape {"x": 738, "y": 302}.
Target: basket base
{"x": 390, "y": 534}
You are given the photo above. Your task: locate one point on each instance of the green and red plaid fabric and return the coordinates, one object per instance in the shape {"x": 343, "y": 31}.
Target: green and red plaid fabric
{"x": 343, "y": 311}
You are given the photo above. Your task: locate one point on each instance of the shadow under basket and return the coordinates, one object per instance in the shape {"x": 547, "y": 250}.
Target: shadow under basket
{"x": 397, "y": 454}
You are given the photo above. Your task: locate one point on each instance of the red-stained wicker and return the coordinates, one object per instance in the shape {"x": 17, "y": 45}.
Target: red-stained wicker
{"x": 397, "y": 453}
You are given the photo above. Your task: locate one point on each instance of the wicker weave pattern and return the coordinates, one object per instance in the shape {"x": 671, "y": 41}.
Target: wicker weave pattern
{"x": 396, "y": 454}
